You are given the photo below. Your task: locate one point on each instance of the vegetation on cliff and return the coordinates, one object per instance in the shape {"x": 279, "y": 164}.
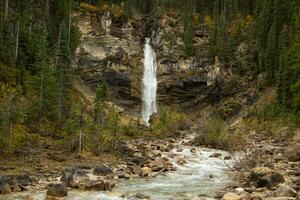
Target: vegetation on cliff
{"x": 38, "y": 40}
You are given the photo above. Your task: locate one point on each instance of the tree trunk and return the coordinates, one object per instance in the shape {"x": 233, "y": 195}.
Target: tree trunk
{"x": 10, "y": 135}
{"x": 47, "y": 7}
{"x": 41, "y": 92}
{"x": 30, "y": 19}
{"x": 80, "y": 138}
{"x": 70, "y": 22}
{"x": 6, "y": 10}
{"x": 59, "y": 74}
{"x": 17, "y": 40}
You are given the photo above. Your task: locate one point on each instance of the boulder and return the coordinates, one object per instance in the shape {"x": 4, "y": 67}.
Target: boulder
{"x": 298, "y": 196}
{"x": 215, "y": 155}
{"x": 6, "y": 184}
{"x": 157, "y": 166}
{"x": 146, "y": 171}
{"x": 5, "y": 188}
{"x": 193, "y": 150}
{"x": 285, "y": 191}
{"x": 137, "y": 196}
{"x": 293, "y": 152}
{"x": 24, "y": 180}
{"x": 9, "y": 179}
{"x": 97, "y": 185}
{"x": 56, "y": 191}
{"x": 227, "y": 157}
{"x": 27, "y": 197}
{"x": 239, "y": 190}
{"x": 102, "y": 170}
{"x": 73, "y": 177}
{"x": 123, "y": 174}
{"x": 16, "y": 187}
{"x": 265, "y": 177}
{"x": 181, "y": 161}
{"x": 136, "y": 160}
{"x": 231, "y": 196}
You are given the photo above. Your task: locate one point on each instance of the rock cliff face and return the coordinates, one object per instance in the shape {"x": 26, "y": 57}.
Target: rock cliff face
{"x": 111, "y": 48}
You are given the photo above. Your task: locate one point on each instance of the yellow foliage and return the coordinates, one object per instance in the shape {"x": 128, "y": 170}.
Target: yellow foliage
{"x": 208, "y": 20}
{"x": 248, "y": 20}
{"x": 115, "y": 9}
{"x": 89, "y": 7}
{"x": 196, "y": 18}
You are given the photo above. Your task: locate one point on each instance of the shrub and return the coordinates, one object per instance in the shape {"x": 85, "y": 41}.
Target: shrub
{"x": 168, "y": 122}
{"x": 131, "y": 129}
{"x": 216, "y": 135}
{"x": 229, "y": 108}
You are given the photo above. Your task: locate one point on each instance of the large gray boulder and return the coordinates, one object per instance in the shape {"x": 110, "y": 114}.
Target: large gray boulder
{"x": 102, "y": 170}
{"x": 56, "y": 191}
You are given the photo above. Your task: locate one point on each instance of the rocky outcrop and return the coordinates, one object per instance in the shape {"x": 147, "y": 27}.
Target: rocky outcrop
{"x": 12, "y": 183}
{"x": 111, "y": 49}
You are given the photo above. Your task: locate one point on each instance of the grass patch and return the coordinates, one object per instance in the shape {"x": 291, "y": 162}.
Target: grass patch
{"x": 216, "y": 135}
{"x": 272, "y": 120}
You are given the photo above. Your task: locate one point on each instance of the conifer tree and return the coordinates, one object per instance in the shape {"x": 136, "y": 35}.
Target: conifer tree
{"x": 63, "y": 72}
{"x": 271, "y": 55}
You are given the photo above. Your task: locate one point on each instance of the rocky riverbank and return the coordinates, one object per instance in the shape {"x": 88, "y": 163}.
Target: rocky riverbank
{"x": 269, "y": 169}
{"x": 147, "y": 160}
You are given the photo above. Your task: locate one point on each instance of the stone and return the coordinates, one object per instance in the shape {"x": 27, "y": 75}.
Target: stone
{"x": 56, "y": 191}
{"x": 231, "y": 196}
{"x": 73, "y": 177}
{"x": 215, "y": 155}
{"x": 16, "y": 187}
{"x": 141, "y": 196}
{"x": 298, "y": 196}
{"x": 24, "y": 179}
{"x": 227, "y": 157}
{"x": 146, "y": 171}
{"x": 5, "y": 188}
{"x": 124, "y": 174}
{"x": 285, "y": 191}
{"x": 181, "y": 161}
{"x": 102, "y": 170}
{"x": 293, "y": 152}
{"x": 265, "y": 177}
{"x": 9, "y": 179}
{"x": 136, "y": 196}
{"x": 136, "y": 160}
{"x": 239, "y": 190}
{"x": 157, "y": 166}
{"x": 193, "y": 150}
{"x": 27, "y": 197}
{"x": 97, "y": 185}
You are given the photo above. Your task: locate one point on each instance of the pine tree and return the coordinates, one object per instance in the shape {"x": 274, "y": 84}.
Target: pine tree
{"x": 289, "y": 73}
{"x": 63, "y": 72}
{"x": 188, "y": 23}
{"x": 101, "y": 97}
{"x": 271, "y": 55}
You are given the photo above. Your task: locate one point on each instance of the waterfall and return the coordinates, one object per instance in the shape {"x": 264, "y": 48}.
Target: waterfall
{"x": 149, "y": 83}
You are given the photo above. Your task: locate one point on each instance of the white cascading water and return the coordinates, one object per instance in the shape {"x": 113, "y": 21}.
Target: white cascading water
{"x": 149, "y": 83}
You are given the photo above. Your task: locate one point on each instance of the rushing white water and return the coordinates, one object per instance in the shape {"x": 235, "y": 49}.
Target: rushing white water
{"x": 149, "y": 83}
{"x": 201, "y": 176}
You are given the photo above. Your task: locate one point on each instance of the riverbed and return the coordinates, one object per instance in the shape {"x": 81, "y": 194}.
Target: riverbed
{"x": 200, "y": 178}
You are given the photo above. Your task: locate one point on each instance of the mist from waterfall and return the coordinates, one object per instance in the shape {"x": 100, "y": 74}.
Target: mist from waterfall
{"x": 149, "y": 83}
